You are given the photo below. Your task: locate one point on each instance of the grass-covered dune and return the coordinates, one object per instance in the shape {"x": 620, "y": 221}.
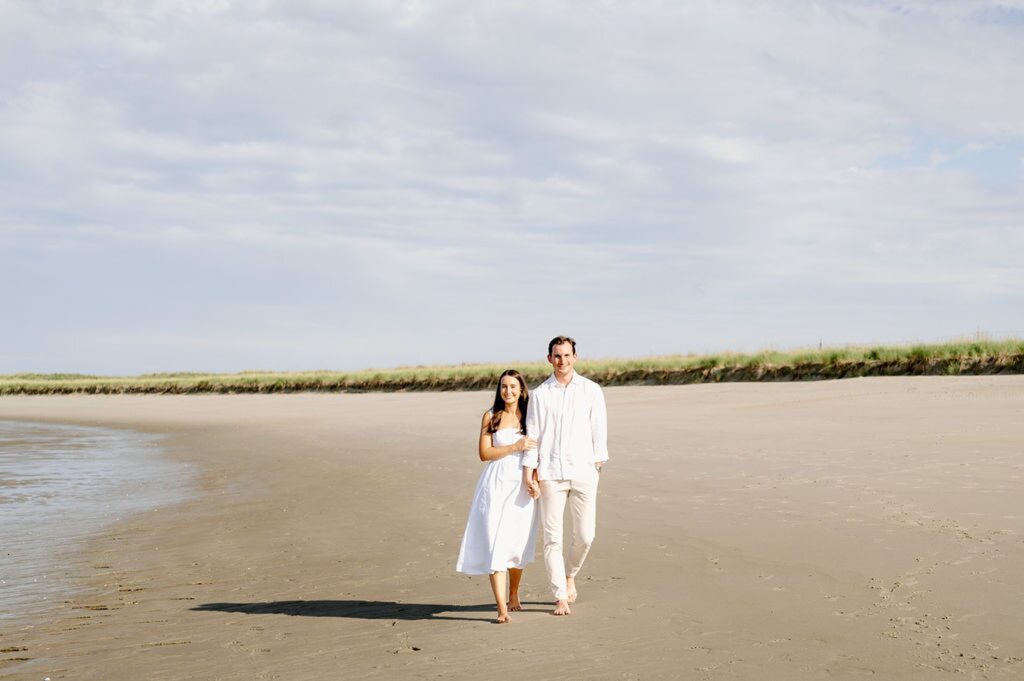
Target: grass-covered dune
{"x": 977, "y": 357}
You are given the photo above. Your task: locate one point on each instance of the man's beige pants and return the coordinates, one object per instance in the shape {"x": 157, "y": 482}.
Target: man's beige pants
{"x": 582, "y": 498}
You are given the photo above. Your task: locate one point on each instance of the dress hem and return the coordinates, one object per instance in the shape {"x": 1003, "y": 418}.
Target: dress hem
{"x": 472, "y": 572}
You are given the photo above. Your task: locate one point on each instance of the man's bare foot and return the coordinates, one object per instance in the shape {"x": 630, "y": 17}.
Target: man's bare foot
{"x": 562, "y": 608}
{"x": 502, "y": 618}
{"x": 513, "y": 603}
{"x": 570, "y": 589}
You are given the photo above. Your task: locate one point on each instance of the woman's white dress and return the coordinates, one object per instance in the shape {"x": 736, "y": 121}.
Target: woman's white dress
{"x": 501, "y": 530}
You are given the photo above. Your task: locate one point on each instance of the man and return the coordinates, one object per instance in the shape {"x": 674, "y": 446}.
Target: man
{"x": 568, "y": 419}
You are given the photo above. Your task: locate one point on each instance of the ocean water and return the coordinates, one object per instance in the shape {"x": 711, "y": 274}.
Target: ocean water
{"x": 59, "y": 485}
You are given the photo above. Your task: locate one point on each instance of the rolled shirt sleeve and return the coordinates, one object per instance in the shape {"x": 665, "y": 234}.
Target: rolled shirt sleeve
{"x": 531, "y": 457}
{"x": 599, "y": 425}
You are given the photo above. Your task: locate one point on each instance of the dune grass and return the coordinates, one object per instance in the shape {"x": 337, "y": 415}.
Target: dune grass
{"x": 974, "y": 356}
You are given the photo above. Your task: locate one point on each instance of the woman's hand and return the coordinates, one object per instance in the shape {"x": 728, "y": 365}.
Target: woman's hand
{"x": 530, "y": 482}
{"x": 524, "y": 444}
{"x": 533, "y": 489}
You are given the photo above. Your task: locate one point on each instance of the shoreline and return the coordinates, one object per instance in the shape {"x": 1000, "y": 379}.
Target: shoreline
{"x": 771, "y": 531}
{"x": 64, "y": 484}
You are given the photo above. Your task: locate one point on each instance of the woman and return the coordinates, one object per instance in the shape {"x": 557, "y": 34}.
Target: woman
{"x": 501, "y": 530}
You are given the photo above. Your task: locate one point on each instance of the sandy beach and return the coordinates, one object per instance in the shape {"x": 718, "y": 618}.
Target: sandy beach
{"x": 844, "y": 529}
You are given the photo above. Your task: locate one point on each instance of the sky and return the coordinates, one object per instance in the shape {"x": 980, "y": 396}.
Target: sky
{"x": 226, "y": 186}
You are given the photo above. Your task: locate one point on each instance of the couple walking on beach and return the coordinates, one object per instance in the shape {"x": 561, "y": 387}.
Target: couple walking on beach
{"x": 544, "y": 450}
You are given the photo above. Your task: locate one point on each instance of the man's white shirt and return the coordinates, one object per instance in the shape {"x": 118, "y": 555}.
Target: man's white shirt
{"x": 570, "y": 425}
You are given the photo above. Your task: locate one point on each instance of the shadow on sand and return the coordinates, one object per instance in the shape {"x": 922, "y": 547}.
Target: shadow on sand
{"x": 366, "y": 610}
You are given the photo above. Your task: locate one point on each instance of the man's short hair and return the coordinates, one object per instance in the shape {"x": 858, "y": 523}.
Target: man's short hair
{"x": 558, "y": 340}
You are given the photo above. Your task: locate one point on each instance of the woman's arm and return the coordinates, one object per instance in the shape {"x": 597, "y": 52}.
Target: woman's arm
{"x": 487, "y": 450}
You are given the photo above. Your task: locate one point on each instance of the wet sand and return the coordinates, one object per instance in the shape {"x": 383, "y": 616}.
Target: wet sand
{"x": 846, "y": 529}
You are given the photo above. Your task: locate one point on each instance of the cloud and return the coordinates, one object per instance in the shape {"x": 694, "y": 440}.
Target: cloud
{"x": 651, "y": 162}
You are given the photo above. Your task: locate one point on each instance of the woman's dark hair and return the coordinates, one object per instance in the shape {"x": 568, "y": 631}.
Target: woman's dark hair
{"x": 499, "y": 403}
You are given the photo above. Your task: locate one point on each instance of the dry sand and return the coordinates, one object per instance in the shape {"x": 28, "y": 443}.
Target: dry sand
{"x": 848, "y": 529}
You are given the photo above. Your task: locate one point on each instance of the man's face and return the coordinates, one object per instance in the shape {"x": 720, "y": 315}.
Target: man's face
{"x": 562, "y": 358}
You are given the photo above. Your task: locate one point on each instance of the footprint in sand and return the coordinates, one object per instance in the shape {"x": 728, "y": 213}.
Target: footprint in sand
{"x": 405, "y": 649}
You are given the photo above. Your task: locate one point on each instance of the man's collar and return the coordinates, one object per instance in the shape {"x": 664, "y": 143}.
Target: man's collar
{"x": 553, "y": 379}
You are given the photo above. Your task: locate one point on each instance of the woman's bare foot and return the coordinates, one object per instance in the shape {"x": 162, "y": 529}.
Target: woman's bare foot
{"x": 570, "y": 589}
{"x": 562, "y": 608}
{"x": 502, "y": 618}
{"x": 513, "y": 603}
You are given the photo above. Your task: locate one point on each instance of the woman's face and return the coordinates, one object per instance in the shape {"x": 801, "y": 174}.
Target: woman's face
{"x": 510, "y": 389}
